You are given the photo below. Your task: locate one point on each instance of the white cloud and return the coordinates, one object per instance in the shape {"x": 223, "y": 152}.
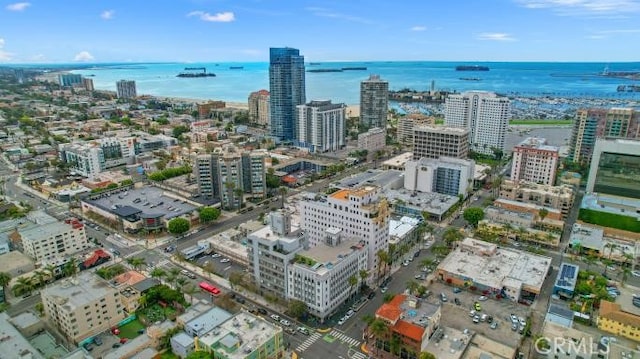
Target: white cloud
{"x": 585, "y": 8}
{"x": 4, "y": 56}
{"x": 595, "y": 37}
{"x": 83, "y": 56}
{"x": 19, "y": 6}
{"x": 226, "y": 16}
{"x": 495, "y": 36}
{"x": 419, "y": 28}
{"x": 107, "y": 14}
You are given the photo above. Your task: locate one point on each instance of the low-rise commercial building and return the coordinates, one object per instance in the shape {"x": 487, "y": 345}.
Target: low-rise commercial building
{"x": 556, "y": 197}
{"x": 612, "y": 319}
{"x": 403, "y": 232}
{"x": 13, "y": 344}
{"x": 484, "y": 268}
{"x": 206, "y": 322}
{"x": 82, "y": 306}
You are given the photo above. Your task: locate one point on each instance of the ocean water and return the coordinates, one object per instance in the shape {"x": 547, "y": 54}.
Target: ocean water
{"x": 532, "y": 79}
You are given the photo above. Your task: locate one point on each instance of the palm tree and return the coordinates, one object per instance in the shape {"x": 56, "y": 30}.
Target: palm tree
{"x": 23, "y": 286}
{"x": 427, "y": 262}
{"x": 364, "y": 274}
{"x": 379, "y": 329}
{"x": 353, "y": 281}
{"x": 507, "y": 229}
{"x": 625, "y": 275}
{"x": 51, "y": 270}
{"x": 283, "y": 191}
{"x": 412, "y": 286}
{"x": 70, "y": 268}
{"x": 451, "y": 236}
{"x": 382, "y": 258}
{"x": 543, "y": 213}
{"x": 426, "y": 355}
{"x": 158, "y": 273}
{"x": 589, "y": 260}
{"x": 5, "y": 279}
{"x": 190, "y": 290}
{"x": 39, "y": 278}
{"x": 239, "y": 194}
{"x": 181, "y": 281}
{"x": 230, "y": 186}
{"x": 440, "y": 250}
{"x": 136, "y": 262}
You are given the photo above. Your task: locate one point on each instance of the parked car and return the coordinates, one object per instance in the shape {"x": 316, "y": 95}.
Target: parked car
{"x": 285, "y": 322}
{"x": 457, "y": 290}
{"x": 275, "y": 317}
{"x": 371, "y": 295}
{"x": 225, "y": 260}
{"x": 341, "y": 321}
{"x": 635, "y": 273}
{"x": 514, "y": 326}
{"x": 216, "y": 255}
{"x": 303, "y": 330}
{"x": 514, "y": 319}
{"x": 383, "y": 289}
{"x": 97, "y": 340}
{"x": 476, "y": 319}
{"x": 472, "y": 313}
{"x": 443, "y": 297}
{"x": 482, "y": 298}
{"x": 493, "y": 325}
{"x": 116, "y": 345}
{"x": 262, "y": 311}
{"x": 477, "y": 306}
{"x": 483, "y": 317}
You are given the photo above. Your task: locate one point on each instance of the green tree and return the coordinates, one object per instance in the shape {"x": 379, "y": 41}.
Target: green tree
{"x": 473, "y": 215}
{"x": 178, "y": 226}
{"x": 190, "y": 290}
{"x": 70, "y": 268}
{"x": 353, "y": 281}
{"x": 379, "y": 329}
{"x": 158, "y": 273}
{"x": 208, "y": 214}
{"x": 364, "y": 274}
{"x": 543, "y": 213}
{"x": 5, "y": 279}
{"x": 199, "y": 355}
{"x": 23, "y": 286}
{"x": 236, "y": 279}
{"x": 451, "y": 236}
{"x": 426, "y": 355}
{"x": 136, "y": 262}
{"x": 179, "y": 130}
{"x": 297, "y": 308}
{"x": 412, "y": 286}
{"x": 383, "y": 257}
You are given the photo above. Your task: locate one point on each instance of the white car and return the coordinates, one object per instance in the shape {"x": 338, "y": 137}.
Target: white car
{"x": 482, "y": 298}
{"x": 285, "y": 322}
{"x": 275, "y": 317}
{"x": 224, "y": 260}
{"x": 216, "y": 255}
{"x": 635, "y": 273}
{"x": 341, "y": 321}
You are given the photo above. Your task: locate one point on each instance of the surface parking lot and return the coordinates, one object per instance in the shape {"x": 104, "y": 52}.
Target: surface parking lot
{"x": 457, "y": 316}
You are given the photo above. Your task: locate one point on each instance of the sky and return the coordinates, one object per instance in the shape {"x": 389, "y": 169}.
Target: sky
{"x": 98, "y": 31}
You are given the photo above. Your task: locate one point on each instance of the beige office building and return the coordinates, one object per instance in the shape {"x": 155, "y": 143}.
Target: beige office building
{"x": 534, "y": 161}
{"x": 556, "y": 197}
{"x": 259, "y": 107}
{"x": 407, "y": 123}
{"x": 82, "y": 306}
{"x": 440, "y": 141}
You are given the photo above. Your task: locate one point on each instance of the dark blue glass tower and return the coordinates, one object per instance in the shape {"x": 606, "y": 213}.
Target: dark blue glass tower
{"x": 287, "y": 88}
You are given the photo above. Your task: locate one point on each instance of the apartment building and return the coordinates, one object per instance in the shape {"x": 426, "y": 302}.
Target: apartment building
{"x": 319, "y": 276}
{"x": 439, "y": 141}
{"x": 372, "y": 140}
{"x": 407, "y": 123}
{"x": 287, "y": 90}
{"x": 229, "y": 173}
{"x": 66, "y": 80}
{"x": 90, "y": 158}
{"x": 126, "y": 89}
{"x": 590, "y": 124}
{"x": 612, "y": 318}
{"x": 272, "y": 249}
{"x": 446, "y": 175}
{"x": 360, "y": 213}
{"x": 321, "y": 126}
{"x": 556, "y": 197}
{"x": 374, "y": 102}
{"x": 259, "y": 107}
{"x": 205, "y": 109}
{"x": 54, "y": 239}
{"x": 534, "y": 161}
{"x": 484, "y": 114}
{"x": 82, "y": 306}
{"x": 88, "y": 84}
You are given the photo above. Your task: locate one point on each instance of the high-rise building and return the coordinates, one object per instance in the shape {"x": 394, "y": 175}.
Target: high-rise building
{"x": 229, "y": 173}
{"x": 439, "y": 141}
{"x": 407, "y": 123}
{"x": 90, "y": 158}
{"x": 446, "y": 175}
{"x": 615, "y": 168}
{"x": 372, "y": 140}
{"x": 126, "y": 89}
{"x": 593, "y": 123}
{"x": 374, "y": 102}
{"x": 259, "y": 107}
{"x": 66, "y": 80}
{"x": 321, "y": 126}
{"x": 534, "y": 161}
{"x": 87, "y": 84}
{"x": 287, "y": 90}
{"x": 484, "y": 114}
{"x": 82, "y": 307}
{"x": 359, "y": 213}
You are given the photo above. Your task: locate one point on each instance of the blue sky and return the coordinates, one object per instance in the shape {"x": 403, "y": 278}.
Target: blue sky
{"x": 243, "y": 30}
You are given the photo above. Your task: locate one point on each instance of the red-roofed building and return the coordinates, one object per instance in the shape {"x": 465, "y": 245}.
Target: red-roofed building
{"x": 409, "y": 319}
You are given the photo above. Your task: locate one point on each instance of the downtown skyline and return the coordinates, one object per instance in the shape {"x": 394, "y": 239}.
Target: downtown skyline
{"x": 38, "y": 31}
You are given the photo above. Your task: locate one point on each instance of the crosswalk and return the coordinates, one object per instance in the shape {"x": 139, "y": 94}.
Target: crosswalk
{"x": 358, "y": 355}
{"x": 308, "y": 342}
{"x": 345, "y": 338}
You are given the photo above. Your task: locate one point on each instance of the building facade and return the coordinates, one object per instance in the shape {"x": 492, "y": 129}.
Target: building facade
{"x": 484, "y": 114}
{"x": 374, "y": 102}
{"x": 287, "y": 90}
{"x": 372, "y": 140}
{"x": 613, "y": 319}
{"x": 556, "y": 197}
{"x": 82, "y": 306}
{"x": 360, "y": 213}
{"x": 321, "y": 126}
{"x": 438, "y": 141}
{"x": 407, "y": 123}
{"x": 593, "y": 123}
{"x": 229, "y": 173}
{"x": 446, "y": 175}
{"x": 90, "y": 158}
{"x": 126, "y": 89}
{"x": 615, "y": 168}
{"x": 56, "y": 239}
{"x": 88, "y": 84}
{"x": 205, "y": 109}
{"x": 66, "y": 80}
{"x": 534, "y": 161}
{"x": 259, "y": 107}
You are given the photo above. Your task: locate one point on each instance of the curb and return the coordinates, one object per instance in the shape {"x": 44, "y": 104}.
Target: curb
{"x": 363, "y": 348}
{"x": 327, "y": 330}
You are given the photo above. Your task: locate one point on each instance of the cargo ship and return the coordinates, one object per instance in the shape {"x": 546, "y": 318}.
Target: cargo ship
{"x": 628, "y": 88}
{"x": 338, "y": 70}
{"x": 202, "y": 72}
{"x": 472, "y": 68}
{"x": 470, "y": 79}
{"x": 236, "y": 67}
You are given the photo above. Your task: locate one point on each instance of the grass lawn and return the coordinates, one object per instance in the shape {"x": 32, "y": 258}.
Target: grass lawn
{"x": 168, "y": 355}
{"x": 130, "y": 330}
{"x": 541, "y": 122}
{"x": 626, "y": 223}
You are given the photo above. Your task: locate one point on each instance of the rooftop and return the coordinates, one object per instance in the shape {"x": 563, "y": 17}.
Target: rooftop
{"x": 400, "y": 228}
{"x": 492, "y": 266}
{"x": 77, "y": 291}
{"x": 435, "y": 203}
{"x": 538, "y": 143}
{"x": 11, "y": 341}
{"x": 398, "y": 161}
{"x": 326, "y": 255}
{"x": 492, "y": 210}
{"x": 587, "y": 236}
{"x": 48, "y": 229}
{"x": 613, "y": 311}
{"x": 441, "y": 129}
{"x": 205, "y": 322}
{"x": 448, "y": 344}
{"x": 567, "y": 276}
{"x": 128, "y": 278}
{"x": 240, "y": 336}
{"x": 409, "y": 315}
{"x": 392, "y": 179}
{"x": 482, "y": 347}
{"x": 611, "y": 204}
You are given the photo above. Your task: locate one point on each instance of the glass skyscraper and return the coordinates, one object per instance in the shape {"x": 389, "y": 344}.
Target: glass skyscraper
{"x": 287, "y": 88}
